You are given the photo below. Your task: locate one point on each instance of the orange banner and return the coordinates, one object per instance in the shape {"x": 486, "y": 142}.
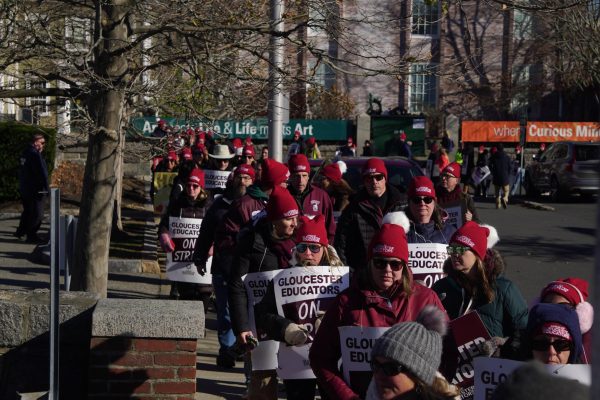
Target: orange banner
{"x": 563, "y": 131}
{"x": 490, "y": 131}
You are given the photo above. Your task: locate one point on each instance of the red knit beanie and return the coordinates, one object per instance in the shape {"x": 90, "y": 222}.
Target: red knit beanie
{"x": 172, "y": 156}
{"x": 390, "y": 241}
{"x": 237, "y": 143}
{"x": 186, "y": 153}
{"x": 245, "y": 169}
{"x": 273, "y": 173}
{"x": 197, "y": 177}
{"x": 248, "y": 150}
{"x": 473, "y": 236}
{"x": 421, "y": 186}
{"x": 334, "y": 171}
{"x": 452, "y": 169}
{"x": 312, "y": 230}
{"x": 281, "y": 204}
{"x": 311, "y": 140}
{"x": 299, "y": 163}
{"x": 375, "y": 166}
{"x": 573, "y": 289}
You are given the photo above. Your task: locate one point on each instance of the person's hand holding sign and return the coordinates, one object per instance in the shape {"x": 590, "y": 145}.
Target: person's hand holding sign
{"x": 295, "y": 335}
{"x": 468, "y": 216}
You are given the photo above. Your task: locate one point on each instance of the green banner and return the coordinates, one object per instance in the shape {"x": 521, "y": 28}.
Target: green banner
{"x": 384, "y": 130}
{"x": 326, "y": 130}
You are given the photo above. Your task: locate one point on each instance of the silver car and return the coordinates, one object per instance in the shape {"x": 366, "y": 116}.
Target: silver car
{"x": 565, "y": 168}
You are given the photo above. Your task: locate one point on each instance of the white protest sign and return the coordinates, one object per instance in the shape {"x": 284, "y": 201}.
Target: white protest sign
{"x": 455, "y": 214}
{"x": 356, "y": 343}
{"x": 479, "y": 174}
{"x": 180, "y": 267}
{"x": 264, "y": 356}
{"x": 300, "y": 293}
{"x": 426, "y": 261}
{"x": 214, "y": 179}
{"x": 490, "y": 372}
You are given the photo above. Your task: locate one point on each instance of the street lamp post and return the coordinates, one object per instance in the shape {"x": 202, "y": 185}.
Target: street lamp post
{"x": 276, "y": 100}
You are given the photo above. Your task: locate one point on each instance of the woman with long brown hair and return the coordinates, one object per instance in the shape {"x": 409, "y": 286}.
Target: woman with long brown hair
{"x": 475, "y": 282}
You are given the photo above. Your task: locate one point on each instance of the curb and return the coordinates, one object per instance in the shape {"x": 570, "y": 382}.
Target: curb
{"x": 538, "y": 206}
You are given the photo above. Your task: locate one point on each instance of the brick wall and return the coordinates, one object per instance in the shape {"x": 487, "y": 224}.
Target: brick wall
{"x": 122, "y": 367}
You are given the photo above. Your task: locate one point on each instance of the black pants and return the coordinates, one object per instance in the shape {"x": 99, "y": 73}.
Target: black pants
{"x": 31, "y": 218}
{"x": 300, "y": 389}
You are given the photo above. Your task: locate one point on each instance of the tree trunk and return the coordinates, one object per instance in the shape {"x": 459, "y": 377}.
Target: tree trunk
{"x": 106, "y": 105}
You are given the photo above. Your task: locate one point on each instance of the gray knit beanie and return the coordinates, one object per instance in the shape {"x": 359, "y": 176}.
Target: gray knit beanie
{"x": 417, "y": 346}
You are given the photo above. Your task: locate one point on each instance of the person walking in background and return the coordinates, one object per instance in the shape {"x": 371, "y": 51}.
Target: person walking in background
{"x": 33, "y": 187}
{"x": 367, "y": 149}
{"x": 500, "y": 167}
{"x": 404, "y": 149}
{"x": 312, "y": 149}
{"x": 349, "y": 149}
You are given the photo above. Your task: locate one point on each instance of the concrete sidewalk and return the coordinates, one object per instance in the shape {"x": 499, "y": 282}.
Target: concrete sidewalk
{"x": 19, "y": 271}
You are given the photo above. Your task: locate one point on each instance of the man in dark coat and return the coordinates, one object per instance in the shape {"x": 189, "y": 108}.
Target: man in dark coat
{"x": 500, "y": 167}
{"x": 33, "y": 187}
{"x": 361, "y": 219}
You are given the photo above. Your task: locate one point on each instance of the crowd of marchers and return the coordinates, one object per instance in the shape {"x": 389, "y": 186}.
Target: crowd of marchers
{"x": 273, "y": 216}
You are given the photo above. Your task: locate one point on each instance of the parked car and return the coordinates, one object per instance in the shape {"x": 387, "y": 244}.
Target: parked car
{"x": 400, "y": 171}
{"x": 565, "y": 168}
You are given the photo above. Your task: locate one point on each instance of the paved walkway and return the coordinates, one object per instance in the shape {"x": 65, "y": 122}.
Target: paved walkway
{"x": 19, "y": 271}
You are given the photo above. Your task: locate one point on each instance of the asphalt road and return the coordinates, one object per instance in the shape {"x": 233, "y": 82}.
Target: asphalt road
{"x": 540, "y": 246}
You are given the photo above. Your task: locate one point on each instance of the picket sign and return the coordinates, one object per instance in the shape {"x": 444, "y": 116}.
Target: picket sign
{"x": 180, "y": 266}
{"x": 162, "y": 182}
{"x": 356, "y": 343}
{"x": 214, "y": 179}
{"x": 426, "y": 261}
{"x": 264, "y": 357}
{"x": 479, "y": 174}
{"x": 461, "y": 346}
{"x": 490, "y": 372}
{"x": 455, "y": 214}
{"x": 300, "y": 294}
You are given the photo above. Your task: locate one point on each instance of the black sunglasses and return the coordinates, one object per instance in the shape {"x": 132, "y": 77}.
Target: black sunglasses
{"x": 381, "y": 263}
{"x": 418, "y": 200}
{"x": 559, "y": 345}
{"x": 377, "y": 177}
{"x": 301, "y": 248}
{"x": 390, "y": 368}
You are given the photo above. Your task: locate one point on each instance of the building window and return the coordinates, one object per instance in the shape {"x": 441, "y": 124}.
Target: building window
{"x": 77, "y": 33}
{"x": 523, "y": 24}
{"x": 520, "y": 89}
{"x": 425, "y": 17}
{"x": 422, "y": 88}
{"x": 38, "y": 103}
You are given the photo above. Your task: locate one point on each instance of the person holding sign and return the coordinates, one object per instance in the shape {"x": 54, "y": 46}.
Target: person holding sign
{"x": 427, "y": 219}
{"x": 554, "y": 335}
{"x": 383, "y": 294}
{"x": 406, "y": 359}
{"x": 191, "y": 203}
{"x": 458, "y": 204}
{"x": 312, "y": 249}
{"x": 474, "y": 282}
{"x": 266, "y": 247}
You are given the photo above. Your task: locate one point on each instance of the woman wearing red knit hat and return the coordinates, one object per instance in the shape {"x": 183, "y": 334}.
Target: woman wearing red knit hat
{"x": 312, "y": 249}
{"x": 383, "y": 294}
{"x": 475, "y": 282}
{"x": 266, "y": 246}
{"x": 330, "y": 180}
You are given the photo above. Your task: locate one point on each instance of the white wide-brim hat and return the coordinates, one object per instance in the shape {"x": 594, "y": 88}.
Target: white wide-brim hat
{"x": 221, "y": 152}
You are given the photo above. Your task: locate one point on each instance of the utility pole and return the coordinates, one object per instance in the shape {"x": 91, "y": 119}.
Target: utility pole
{"x": 276, "y": 100}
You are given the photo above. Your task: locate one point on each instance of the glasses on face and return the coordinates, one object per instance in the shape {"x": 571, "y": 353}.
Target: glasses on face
{"x": 302, "y": 247}
{"x": 377, "y": 177}
{"x": 447, "y": 176}
{"x": 456, "y": 250}
{"x": 418, "y": 200}
{"x": 390, "y": 368}
{"x": 192, "y": 186}
{"x": 249, "y": 157}
{"x": 559, "y": 345}
{"x": 381, "y": 263}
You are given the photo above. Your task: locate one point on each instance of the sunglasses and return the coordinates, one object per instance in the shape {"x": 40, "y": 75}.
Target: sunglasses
{"x": 247, "y": 157}
{"x": 192, "y": 186}
{"x": 381, "y": 263}
{"x": 418, "y": 200}
{"x": 377, "y": 177}
{"x": 457, "y": 250}
{"x": 559, "y": 345}
{"x": 447, "y": 176}
{"x": 314, "y": 248}
{"x": 390, "y": 368}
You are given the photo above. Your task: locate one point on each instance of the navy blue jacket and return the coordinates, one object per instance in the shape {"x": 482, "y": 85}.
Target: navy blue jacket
{"x": 33, "y": 173}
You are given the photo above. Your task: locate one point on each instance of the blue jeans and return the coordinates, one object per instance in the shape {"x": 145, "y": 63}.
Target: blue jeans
{"x": 224, "y": 331}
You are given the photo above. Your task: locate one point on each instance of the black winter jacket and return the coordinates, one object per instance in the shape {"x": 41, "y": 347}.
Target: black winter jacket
{"x": 500, "y": 167}
{"x": 256, "y": 251}
{"x": 358, "y": 224}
